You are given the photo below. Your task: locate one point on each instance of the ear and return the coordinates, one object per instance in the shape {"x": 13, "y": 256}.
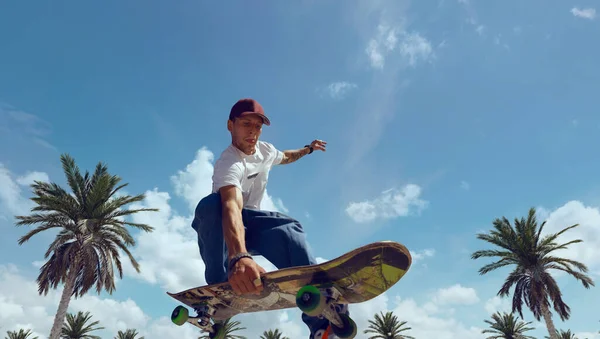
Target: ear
{"x": 229, "y": 125}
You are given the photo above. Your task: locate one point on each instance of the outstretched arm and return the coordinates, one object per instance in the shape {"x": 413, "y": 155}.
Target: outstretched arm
{"x": 290, "y": 156}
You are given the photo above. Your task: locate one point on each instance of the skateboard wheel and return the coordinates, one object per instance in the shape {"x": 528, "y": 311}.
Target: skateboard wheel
{"x": 179, "y": 315}
{"x": 311, "y": 301}
{"x": 348, "y": 331}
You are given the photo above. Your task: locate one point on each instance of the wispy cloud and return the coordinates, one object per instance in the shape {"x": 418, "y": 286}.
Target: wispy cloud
{"x": 472, "y": 17}
{"x": 420, "y": 255}
{"x": 389, "y": 49}
{"x": 21, "y": 123}
{"x": 338, "y": 90}
{"x": 586, "y": 13}
{"x": 411, "y": 46}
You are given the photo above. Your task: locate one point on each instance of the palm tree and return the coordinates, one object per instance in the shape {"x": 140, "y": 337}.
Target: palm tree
{"x": 22, "y": 334}
{"x": 507, "y": 326}
{"x": 273, "y": 335}
{"x": 564, "y": 335}
{"x": 91, "y": 232}
{"x": 76, "y": 327}
{"x": 387, "y": 326}
{"x": 128, "y": 334}
{"x": 228, "y": 327}
{"x": 523, "y": 247}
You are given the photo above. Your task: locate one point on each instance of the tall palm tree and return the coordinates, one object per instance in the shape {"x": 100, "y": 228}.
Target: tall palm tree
{"x": 76, "y": 326}
{"x": 273, "y": 335}
{"x": 564, "y": 335}
{"x": 507, "y": 326}
{"x": 387, "y": 326}
{"x": 523, "y": 247}
{"x": 227, "y": 328}
{"x": 91, "y": 231}
{"x": 130, "y": 333}
{"x": 22, "y": 334}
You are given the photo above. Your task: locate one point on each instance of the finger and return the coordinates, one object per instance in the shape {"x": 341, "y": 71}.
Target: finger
{"x": 234, "y": 285}
{"x": 246, "y": 285}
{"x": 257, "y": 282}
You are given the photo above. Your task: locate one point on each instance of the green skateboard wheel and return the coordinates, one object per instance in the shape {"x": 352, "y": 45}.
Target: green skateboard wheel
{"x": 179, "y": 315}
{"x": 310, "y": 300}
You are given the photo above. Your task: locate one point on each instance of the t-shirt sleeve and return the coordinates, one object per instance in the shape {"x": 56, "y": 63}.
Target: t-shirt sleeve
{"x": 276, "y": 155}
{"x": 226, "y": 173}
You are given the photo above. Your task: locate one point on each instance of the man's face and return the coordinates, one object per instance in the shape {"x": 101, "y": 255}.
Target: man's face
{"x": 245, "y": 132}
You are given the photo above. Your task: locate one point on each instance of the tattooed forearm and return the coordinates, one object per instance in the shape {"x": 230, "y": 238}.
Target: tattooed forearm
{"x": 293, "y": 155}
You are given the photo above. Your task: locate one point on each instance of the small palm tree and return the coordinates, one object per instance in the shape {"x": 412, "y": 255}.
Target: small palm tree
{"x": 76, "y": 326}
{"x": 229, "y": 327}
{"x": 564, "y": 335}
{"x": 128, "y": 334}
{"x": 507, "y": 326}
{"x": 22, "y": 334}
{"x": 273, "y": 335}
{"x": 387, "y": 326}
{"x": 91, "y": 232}
{"x": 523, "y": 247}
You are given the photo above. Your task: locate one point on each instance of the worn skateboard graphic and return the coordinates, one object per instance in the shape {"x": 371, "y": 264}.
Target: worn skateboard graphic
{"x": 354, "y": 277}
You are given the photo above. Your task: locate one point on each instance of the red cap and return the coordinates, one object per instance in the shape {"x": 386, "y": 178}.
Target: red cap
{"x": 246, "y": 107}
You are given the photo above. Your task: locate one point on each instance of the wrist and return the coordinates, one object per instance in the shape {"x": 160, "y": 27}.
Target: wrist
{"x": 309, "y": 147}
{"x": 232, "y": 260}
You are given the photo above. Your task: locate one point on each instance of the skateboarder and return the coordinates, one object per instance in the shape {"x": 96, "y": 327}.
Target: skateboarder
{"x": 231, "y": 226}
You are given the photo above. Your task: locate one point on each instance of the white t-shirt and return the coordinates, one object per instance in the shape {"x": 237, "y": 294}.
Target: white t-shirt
{"x": 249, "y": 173}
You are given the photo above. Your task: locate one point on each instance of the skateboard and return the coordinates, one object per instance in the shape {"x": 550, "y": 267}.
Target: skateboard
{"x": 354, "y": 277}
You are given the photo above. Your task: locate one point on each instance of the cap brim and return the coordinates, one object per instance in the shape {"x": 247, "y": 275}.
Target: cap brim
{"x": 266, "y": 120}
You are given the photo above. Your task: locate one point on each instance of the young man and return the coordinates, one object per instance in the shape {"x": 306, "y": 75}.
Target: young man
{"x": 231, "y": 226}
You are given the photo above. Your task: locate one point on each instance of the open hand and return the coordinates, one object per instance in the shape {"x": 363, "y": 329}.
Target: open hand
{"x": 318, "y": 145}
{"x": 243, "y": 275}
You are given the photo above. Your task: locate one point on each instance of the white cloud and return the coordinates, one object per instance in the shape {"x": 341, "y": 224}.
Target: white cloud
{"x": 588, "y": 218}
{"x": 420, "y": 255}
{"x": 456, "y": 295}
{"x": 270, "y": 204}
{"x": 410, "y": 45}
{"x": 12, "y": 201}
{"x": 498, "y": 304}
{"x": 587, "y": 335}
{"x": 22, "y": 307}
{"x": 432, "y": 321}
{"x": 175, "y": 238}
{"x": 195, "y": 182}
{"x": 391, "y": 204}
{"x": 415, "y": 48}
{"x": 586, "y": 13}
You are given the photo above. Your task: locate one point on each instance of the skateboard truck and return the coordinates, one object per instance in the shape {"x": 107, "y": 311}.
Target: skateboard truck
{"x": 204, "y": 313}
{"x": 320, "y": 302}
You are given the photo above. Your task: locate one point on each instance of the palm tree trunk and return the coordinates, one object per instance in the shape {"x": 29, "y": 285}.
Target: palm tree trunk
{"x": 63, "y": 306}
{"x": 549, "y": 323}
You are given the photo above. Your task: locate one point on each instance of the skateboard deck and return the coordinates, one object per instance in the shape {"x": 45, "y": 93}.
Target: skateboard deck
{"x": 354, "y": 277}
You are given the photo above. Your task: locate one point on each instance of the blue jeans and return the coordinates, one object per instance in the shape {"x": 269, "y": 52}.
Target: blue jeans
{"x": 275, "y": 236}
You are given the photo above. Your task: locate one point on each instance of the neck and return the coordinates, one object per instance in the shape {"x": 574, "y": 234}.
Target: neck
{"x": 246, "y": 150}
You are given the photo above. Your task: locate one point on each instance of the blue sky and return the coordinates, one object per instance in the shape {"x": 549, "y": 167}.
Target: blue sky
{"x": 439, "y": 116}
